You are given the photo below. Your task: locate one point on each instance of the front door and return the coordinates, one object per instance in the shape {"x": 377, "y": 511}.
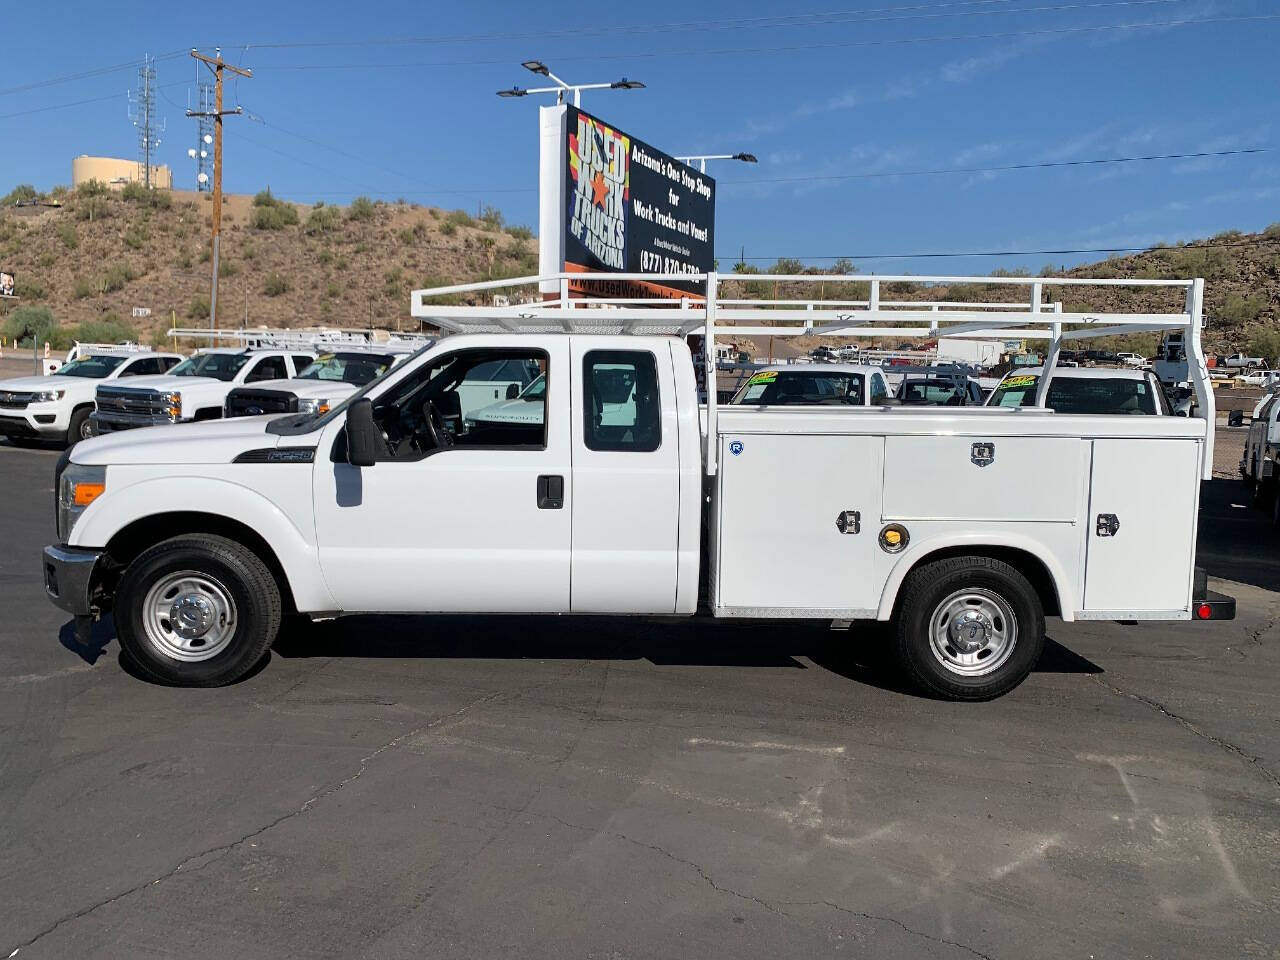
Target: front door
{"x": 462, "y": 515}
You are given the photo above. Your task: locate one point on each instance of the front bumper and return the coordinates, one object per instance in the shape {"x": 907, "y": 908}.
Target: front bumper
{"x": 69, "y": 577}
{"x": 30, "y": 423}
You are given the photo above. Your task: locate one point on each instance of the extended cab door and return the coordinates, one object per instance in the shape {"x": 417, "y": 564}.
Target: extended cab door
{"x": 626, "y": 476}
{"x": 481, "y": 525}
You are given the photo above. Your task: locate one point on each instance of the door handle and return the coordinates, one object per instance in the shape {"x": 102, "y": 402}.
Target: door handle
{"x": 550, "y": 492}
{"x": 1108, "y": 525}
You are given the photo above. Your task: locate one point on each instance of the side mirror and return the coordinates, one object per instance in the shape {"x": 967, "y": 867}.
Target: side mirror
{"x": 364, "y": 439}
{"x": 513, "y": 391}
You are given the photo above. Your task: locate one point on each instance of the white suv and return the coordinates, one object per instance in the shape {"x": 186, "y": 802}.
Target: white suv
{"x": 58, "y": 406}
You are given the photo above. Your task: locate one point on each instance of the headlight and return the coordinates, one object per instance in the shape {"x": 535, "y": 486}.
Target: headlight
{"x": 317, "y": 407}
{"x": 173, "y": 404}
{"x": 78, "y": 487}
{"x": 47, "y": 396}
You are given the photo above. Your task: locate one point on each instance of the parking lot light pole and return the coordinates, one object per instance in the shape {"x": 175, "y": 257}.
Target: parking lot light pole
{"x": 702, "y": 160}
{"x": 562, "y": 86}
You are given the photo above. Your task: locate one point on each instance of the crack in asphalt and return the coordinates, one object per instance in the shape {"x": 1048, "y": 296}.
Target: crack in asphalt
{"x": 1254, "y": 761}
{"x": 897, "y": 923}
{"x": 212, "y": 854}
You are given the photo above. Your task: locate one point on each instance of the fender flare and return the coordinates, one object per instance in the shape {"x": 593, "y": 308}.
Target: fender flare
{"x": 920, "y": 552}
{"x": 296, "y": 553}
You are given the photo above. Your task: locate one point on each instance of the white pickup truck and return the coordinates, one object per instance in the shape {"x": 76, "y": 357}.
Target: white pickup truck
{"x": 330, "y": 379}
{"x": 59, "y": 406}
{"x": 963, "y": 526}
{"x": 195, "y": 389}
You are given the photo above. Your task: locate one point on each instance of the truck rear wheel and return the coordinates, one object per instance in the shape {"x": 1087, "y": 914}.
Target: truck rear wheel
{"x": 968, "y": 628}
{"x": 197, "y": 611}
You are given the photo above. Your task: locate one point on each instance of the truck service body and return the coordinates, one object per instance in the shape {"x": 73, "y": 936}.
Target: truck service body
{"x": 628, "y": 497}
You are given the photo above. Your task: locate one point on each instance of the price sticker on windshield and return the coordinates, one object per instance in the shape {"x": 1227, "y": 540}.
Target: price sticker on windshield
{"x": 769, "y": 376}
{"x": 1023, "y": 381}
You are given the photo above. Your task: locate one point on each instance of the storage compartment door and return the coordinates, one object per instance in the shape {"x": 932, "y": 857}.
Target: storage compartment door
{"x": 1150, "y": 487}
{"x": 780, "y": 499}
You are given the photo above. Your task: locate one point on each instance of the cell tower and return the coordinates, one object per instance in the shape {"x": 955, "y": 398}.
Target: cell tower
{"x": 204, "y": 133}
{"x": 142, "y": 111}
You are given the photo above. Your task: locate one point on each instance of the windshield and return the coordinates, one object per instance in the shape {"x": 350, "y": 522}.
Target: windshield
{"x": 1111, "y": 395}
{"x": 220, "y": 366}
{"x": 536, "y": 390}
{"x": 355, "y": 368}
{"x": 90, "y": 366}
{"x": 931, "y": 392}
{"x": 801, "y": 387}
{"x": 307, "y": 422}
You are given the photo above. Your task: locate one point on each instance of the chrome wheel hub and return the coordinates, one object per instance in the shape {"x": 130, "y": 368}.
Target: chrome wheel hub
{"x": 189, "y": 616}
{"x": 973, "y": 632}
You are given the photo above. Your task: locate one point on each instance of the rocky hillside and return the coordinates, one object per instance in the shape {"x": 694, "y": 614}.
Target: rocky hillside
{"x": 99, "y": 255}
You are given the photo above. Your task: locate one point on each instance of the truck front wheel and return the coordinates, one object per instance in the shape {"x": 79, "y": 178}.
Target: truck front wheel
{"x": 197, "y": 611}
{"x": 968, "y": 628}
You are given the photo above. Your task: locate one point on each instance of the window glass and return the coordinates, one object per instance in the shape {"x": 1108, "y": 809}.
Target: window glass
{"x": 769, "y": 387}
{"x": 220, "y": 366}
{"x": 300, "y": 362}
{"x": 90, "y": 366}
{"x": 142, "y": 366}
{"x": 353, "y": 367}
{"x": 456, "y": 395}
{"x": 268, "y": 368}
{"x": 879, "y": 392}
{"x": 168, "y": 363}
{"x": 620, "y": 401}
{"x": 1095, "y": 395}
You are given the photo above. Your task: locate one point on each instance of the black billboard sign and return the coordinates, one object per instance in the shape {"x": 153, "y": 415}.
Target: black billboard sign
{"x": 633, "y": 209}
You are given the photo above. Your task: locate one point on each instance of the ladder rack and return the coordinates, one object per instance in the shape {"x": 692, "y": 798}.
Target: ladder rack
{"x": 707, "y": 314}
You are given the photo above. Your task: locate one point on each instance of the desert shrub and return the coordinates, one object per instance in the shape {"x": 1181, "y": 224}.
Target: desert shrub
{"x": 1242, "y": 308}
{"x": 116, "y": 277}
{"x": 67, "y": 234}
{"x": 27, "y": 322}
{"x": 448, "y": 229}
{"x": 19, "y": 194}
{"x": 46, "y": 260}
{"x": 1266, "y": 343}
{"x": 110, "y": 329}
{"x": 274, "y": 217}
{"x": 520, "y": 232}
{"x": 133, "y": 192}
{"x": 275, "y": 285}
{"x": 227, "y": 269}
{"x": 333, "y": 290}
{"x": 93, "y": 207}
{"x": 324, "y": 257}
{"x": 361, "y": 209}
{"x": 135, "y": 236}
{"x": 1272, "y": 231}
{"x": 198, "y": 308}
{"x": 58, "y": 192}
{"x": 82, "y": 288}
{"x": 459, "y": 218}
{"x": 491, "y": 218}
{"x": 28, "y": 289}
{"x": 91, "y": 188}
{"x": 322, "y": 220}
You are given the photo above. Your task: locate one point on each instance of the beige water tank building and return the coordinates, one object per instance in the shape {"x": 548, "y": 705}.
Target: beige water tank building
{"x": 116, "y": 173}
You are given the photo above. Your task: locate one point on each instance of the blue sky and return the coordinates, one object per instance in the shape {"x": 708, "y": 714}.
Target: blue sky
{"x": 397, "y": 99}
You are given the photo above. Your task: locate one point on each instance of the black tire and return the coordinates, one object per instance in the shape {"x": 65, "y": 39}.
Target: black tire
{"x": 233, "y": 568}
{"x": 80, "y": 427}
{"x": 922, "y": 598}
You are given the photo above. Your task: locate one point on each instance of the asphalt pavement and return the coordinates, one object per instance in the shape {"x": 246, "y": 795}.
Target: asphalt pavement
{"x": 615, "y": 788}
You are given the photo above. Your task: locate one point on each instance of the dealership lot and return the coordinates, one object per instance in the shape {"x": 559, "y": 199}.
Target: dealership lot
{"x": 395, "y": 786}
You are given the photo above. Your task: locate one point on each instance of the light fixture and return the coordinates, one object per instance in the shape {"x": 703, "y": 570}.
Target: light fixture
{"x": 625, "y": 84}
{"x": 745, "y": 157}
{"x": 513, "y": 92}
{"x": 536, "y": 66}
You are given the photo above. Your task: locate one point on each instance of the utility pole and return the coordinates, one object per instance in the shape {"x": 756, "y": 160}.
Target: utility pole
{"x": 216, "y": 64}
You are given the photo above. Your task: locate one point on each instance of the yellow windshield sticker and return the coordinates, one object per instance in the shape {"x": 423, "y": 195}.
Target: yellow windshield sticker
{"x": 769, "y": 376}
{"x": 1023, "y": 381}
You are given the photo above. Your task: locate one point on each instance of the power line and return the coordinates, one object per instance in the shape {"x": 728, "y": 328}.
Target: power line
{"x": 1001, "y": 169}
{"x": 872, "y": 15}
{"x": 79, "y": 103}
{"x": 1007, "y": 253}
{"x": 88, "y": 74}
{"x": 796, "y": 48}
{"x": 941, "y": 171}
